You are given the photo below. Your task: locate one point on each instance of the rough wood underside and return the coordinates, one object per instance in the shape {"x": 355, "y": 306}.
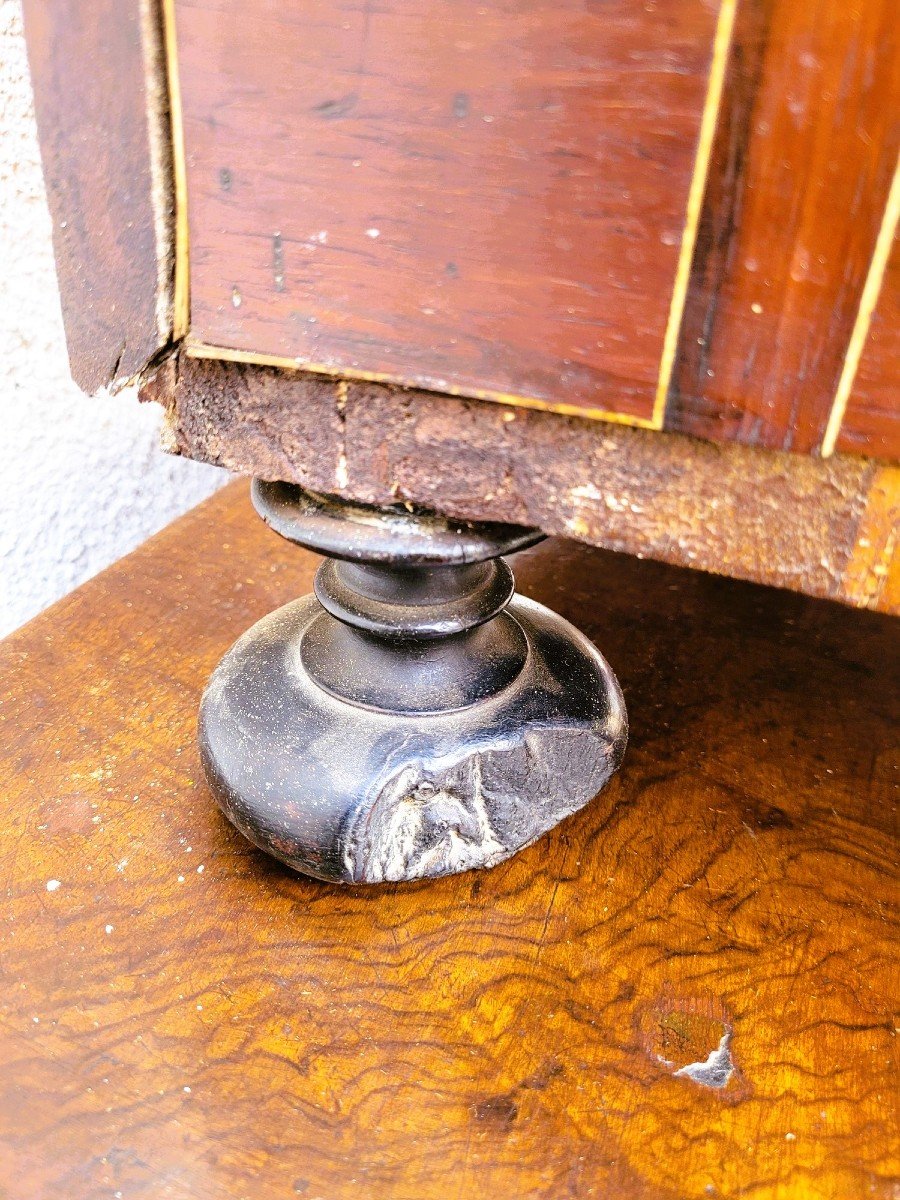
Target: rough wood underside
{"x": 826, "y": 528}
{"x": 683, "y": 992}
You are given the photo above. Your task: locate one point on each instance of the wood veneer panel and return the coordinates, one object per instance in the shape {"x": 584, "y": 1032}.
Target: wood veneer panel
{"x": 477, "y": 198}
{"x": 826, "y": 528}
{"x": 799, "y": 180}
{"x": 871, "y": 423}
{"x": 97, "y": 71}
{"x": 184, "y": 1018}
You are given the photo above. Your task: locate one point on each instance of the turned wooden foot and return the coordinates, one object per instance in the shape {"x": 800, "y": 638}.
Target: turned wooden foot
{"x": 412, "y": 718}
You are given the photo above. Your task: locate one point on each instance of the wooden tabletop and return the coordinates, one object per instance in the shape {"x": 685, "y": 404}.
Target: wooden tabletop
{"x": 683, "y": 991}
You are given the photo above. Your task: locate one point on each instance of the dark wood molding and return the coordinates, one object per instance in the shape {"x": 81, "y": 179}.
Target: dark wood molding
{"x": 819, "y": 526}
{"x": 101, "y": 106}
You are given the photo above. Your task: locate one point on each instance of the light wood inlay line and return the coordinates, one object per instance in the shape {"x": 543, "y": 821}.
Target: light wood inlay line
{"x": 709, "y": 121}
{"x": 159, "y": 142}
{"x": 181, "y": 298}
{"x": 198, "y": 349}
{"x": 867, "y": 304}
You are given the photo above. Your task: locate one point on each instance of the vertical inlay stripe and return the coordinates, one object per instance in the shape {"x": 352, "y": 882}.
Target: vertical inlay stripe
{"x": 181, "y": 299}
{"x": 868, "y": 301}
{"x": 718, "y": 67}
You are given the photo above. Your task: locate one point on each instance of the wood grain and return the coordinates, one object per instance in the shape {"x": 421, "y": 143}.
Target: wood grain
{"x": 496, "y": 204}
{"x": 483, "y": 199}
{"x": 872, "y": 417}
{"x": 826, "y": 528}
{"x": 101, "y": 110}
{"x": 799, "y": 180}
{"x": 183, "y": 1018}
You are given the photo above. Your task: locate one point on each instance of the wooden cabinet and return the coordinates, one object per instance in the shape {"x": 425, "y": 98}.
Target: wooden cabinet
{"x": 556, "y": 251}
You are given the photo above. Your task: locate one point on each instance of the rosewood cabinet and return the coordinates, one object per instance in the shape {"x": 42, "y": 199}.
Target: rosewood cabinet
{"x": 625, "y": 271}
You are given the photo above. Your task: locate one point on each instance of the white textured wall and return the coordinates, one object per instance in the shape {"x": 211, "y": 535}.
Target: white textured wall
{"x": 82, "y": 480}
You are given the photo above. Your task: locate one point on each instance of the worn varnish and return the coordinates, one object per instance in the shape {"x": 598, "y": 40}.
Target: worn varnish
{"x": 183, "y": 1018}
{"x": 481, "y": 198}
{"x": 801, "y": 171}
{"x": 101, "y": 105}
{"x": 825, "y": 527}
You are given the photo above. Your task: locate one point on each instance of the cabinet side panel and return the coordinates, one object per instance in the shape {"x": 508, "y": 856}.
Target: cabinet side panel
{"x": 100, "y": 104}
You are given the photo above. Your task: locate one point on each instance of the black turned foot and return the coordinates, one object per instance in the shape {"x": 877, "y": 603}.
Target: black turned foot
{"x": 413, "y": 718}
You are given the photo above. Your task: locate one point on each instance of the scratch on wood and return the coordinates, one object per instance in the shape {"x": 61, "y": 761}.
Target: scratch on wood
{"x": 278, "y": 261}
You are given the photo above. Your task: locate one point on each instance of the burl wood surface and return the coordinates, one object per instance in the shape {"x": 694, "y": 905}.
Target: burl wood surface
{"x": 182, "y": 1017}
{"x": 100, "y": 102}
{"x": 483, "y": 198}
{"x": 873, "y": 410}
{"x": 802, "y": 165}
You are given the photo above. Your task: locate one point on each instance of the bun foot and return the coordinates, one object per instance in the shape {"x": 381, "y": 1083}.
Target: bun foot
{"x": 413, "y": 718}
